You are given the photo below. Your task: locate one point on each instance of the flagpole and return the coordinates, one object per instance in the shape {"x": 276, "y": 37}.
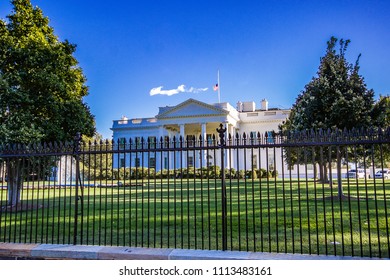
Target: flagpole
{"x": 219, "y": 89}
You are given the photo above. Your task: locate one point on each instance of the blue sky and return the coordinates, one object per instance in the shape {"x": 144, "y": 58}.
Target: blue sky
{"x": 263, "y": 49}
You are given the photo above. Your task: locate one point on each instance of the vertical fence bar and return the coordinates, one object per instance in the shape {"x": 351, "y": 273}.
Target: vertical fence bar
{"x": 238, "y": 189}
{"x": 76, "y": 154}
{"x": 221, "y": 131}
{"x": 384, "y": 194}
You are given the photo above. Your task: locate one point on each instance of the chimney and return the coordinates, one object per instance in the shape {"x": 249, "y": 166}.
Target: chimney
{"x": 264, "y": 105}
{"x": 249, "y": 106}
{"x": 239, "y": 106}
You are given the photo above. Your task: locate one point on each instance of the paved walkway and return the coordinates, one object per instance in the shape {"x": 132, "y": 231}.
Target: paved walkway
{"x": 84, "y": 252}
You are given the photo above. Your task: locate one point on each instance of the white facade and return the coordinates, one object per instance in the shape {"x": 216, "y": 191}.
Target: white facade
{"x": 195, "y": 118}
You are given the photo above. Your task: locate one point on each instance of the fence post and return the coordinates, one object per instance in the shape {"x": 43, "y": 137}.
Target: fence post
{"x": 76, "y": 154}
{"x": 221, "y": 131}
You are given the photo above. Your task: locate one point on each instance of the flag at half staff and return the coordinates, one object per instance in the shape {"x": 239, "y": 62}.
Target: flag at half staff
{"x": 215, "y": 87}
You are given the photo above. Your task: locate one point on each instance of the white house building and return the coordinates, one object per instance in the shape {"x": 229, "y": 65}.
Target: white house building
{"x": 193, "y": 118}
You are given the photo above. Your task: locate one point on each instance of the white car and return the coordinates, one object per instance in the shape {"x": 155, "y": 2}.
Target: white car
{"x": 382, "y": 174}
{"x": 356, "y": 173}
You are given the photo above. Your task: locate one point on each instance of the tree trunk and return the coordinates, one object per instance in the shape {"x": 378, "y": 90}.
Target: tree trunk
{"x": 315, "y": 171}
{"x": 323, "y": 173}
{"x": 15, "y": 181}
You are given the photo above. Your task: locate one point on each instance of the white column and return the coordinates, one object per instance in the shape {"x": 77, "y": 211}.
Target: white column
{"x": 204, "y": 143}
{"x": 182, "y": 131}
{"x": 227, "y": 151}
{"x": 231, "y": 130}
{"x": 160, "y": 131}
{"x": 204, "y": 132}
{"x": 182, "y": 134}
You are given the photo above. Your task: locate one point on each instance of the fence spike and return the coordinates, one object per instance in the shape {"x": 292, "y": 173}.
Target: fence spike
{"x": 167, "y": 141}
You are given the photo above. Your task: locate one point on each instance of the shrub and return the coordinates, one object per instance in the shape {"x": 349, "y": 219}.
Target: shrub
{"x": 230, "y": 173}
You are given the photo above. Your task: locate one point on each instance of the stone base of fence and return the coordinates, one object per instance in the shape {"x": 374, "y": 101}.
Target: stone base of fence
{"x": 86, "y": 252}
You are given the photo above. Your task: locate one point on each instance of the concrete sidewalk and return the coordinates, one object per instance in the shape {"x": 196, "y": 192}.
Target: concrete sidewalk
{"x": 84, "y": 252}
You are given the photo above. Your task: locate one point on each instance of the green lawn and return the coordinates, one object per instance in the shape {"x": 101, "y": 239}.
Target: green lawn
{"x": 263, "y": 215}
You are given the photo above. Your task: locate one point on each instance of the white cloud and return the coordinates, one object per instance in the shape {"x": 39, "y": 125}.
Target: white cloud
{"x": 179, "y": 89}
{"x": 197, "y": 90}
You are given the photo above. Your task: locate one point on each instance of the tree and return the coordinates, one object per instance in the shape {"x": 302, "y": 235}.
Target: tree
{"x": 381, "y": 112}
{"x": 41, "y": 86}
{"x": 337, "y": 91}
{"x": 337, "y": 98}
{"x": 381, "y": 116}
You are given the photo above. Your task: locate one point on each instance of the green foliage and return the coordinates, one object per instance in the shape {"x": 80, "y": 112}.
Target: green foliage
{"x": 230, "y": 173}
{"x": 261, "y": 173}
{"x": 165, "y": 174}
{"x": 101, "y": 172}
{"x": 336, "y": 98}
{"x": 41, "y": 85}
{"x": 381, "y": 112}
{"x": 241, "y": 174}
{"x": 251, "y": 174}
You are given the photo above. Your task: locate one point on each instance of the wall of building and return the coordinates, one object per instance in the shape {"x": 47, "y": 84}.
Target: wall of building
{"x": 197, "y": 120}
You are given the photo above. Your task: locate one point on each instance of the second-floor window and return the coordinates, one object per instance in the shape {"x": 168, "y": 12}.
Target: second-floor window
{"x": 152, "y": 142}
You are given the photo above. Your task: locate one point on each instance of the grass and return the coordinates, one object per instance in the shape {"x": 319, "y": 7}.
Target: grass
{"x": 263, "y": 215}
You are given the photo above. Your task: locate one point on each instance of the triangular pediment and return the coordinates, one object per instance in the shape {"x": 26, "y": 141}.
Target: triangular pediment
{"x": 191, "y": 108}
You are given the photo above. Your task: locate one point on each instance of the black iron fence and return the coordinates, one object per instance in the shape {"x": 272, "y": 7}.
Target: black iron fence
{"x": 323, "y": 192}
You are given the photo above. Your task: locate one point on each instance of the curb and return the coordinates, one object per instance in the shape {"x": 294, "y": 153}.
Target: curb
{"x": 87, "y": 252}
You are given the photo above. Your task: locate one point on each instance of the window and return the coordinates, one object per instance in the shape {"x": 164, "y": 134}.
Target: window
{"x": 152, "y": 142}
{"x": 253, "y": 135}
{"x": 271, "y": 162}
{"x": 121, "y": 142}
{"x": 137, "y": 162}
{"x": 254, "y": 161}
{"x": 191, "y": 140}
{"x": 209, "y": 138}
{"x": 270, "y": 137}
{"x": 152, "y": 162}
{"x": 138, "y": 142}
{"x": 190, "y": 162}
{"x": 209, "y": 160}
{"x": 166, "y": 141}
